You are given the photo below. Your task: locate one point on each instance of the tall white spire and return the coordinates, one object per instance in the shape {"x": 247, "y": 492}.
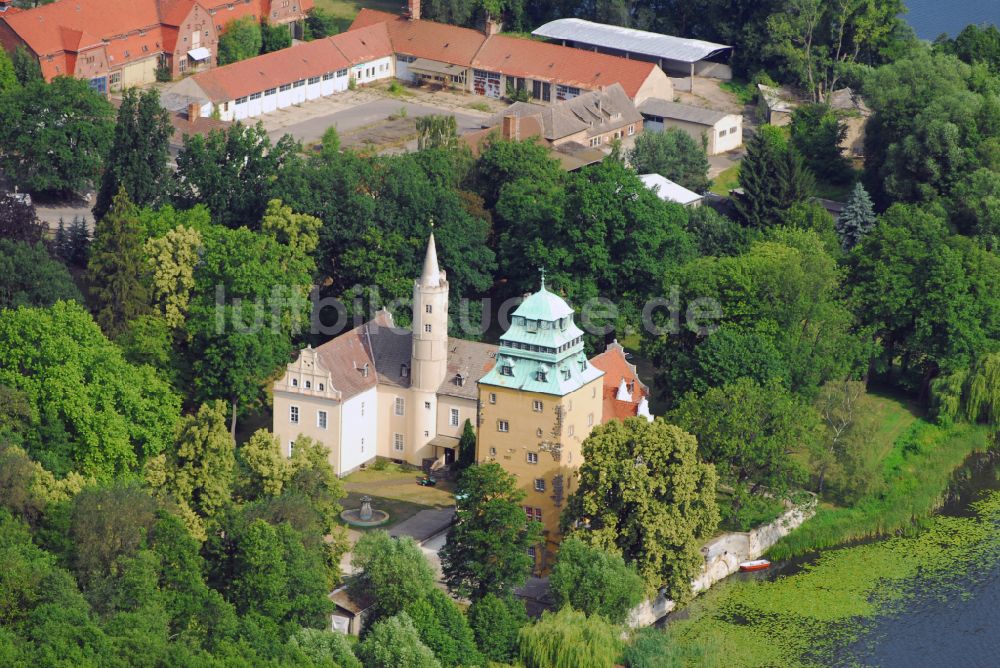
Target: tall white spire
{"x": 431, "y": 276}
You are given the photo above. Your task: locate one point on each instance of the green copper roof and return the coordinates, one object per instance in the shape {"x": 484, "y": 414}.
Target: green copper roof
{"x": 559, "y": 378}
{"x": 542, "y": 351}
{"x": 543, "y": 305}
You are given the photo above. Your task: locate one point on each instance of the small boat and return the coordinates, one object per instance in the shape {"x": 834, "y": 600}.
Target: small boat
{"x": 755, "y": 565}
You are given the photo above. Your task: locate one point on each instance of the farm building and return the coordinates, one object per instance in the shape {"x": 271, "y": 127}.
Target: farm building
{"x": 490, "y": 64}
{"x": 380, "y": 46}
{"x": 283, "y": 78}
{"x": 677, "y": 55}
{"x": 723, "y": 131}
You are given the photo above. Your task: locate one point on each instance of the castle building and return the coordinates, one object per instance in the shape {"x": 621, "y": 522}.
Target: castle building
{"x": 537, "y": 405}
{"x": 385, "y": 391}
{"x": 405, "y": 394}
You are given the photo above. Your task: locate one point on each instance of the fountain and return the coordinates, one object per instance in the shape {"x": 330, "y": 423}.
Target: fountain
{"x": 365, "y": 516}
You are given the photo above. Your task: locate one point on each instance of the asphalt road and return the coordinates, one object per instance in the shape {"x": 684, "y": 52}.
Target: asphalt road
{"x": 364, "y": 115}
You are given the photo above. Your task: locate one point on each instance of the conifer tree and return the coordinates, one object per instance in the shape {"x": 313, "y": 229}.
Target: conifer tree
{"x": 773, "y": 177}
{"x": 757, "y": 177}
{"x": 857, "y": 219}
{"x": 466, "y": 448}
{"x": 138, "y": 157}
{"x": 116, "y": 272}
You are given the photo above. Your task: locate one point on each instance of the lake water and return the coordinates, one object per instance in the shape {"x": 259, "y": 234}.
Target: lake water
{"x": 930, "y": 18}
{"x": 945, "y": 626}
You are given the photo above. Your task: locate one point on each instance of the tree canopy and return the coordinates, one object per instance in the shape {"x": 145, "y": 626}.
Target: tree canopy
{"x": 55, "y": 135}
{"x": 644, "y": 493}
{"x": 487, "y": 548}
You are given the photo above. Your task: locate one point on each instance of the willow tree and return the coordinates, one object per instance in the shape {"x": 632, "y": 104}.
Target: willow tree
{"x": 570, "y": 639}
{"x": 645, "y": 494}
{"x": 983, "y": 400}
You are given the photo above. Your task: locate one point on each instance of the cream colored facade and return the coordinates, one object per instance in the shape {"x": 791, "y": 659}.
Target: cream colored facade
{"x": 542, "y": 447}
{"x": 383, "y": 391}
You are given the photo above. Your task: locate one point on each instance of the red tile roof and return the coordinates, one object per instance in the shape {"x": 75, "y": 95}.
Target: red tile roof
{"x": 616, "y": 368}
{"x": 271, "y": 70}
{"x": 425, "y": 39}
{"x": 75, "y": 24}
{"x": 519, "y": 57}
{"x": 365, "y": 44}
{"x": 513, "y": 56}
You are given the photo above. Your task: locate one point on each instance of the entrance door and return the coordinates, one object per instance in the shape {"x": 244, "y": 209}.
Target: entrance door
{"x": 449, "y": 456}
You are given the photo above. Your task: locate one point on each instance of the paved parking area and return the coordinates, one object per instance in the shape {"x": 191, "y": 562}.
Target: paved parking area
{"x": 366, "y": 108}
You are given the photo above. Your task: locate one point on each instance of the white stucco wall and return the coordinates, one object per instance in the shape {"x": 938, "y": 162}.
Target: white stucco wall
{"x": 359, "y": 430}
{"x": 723, "y": 556}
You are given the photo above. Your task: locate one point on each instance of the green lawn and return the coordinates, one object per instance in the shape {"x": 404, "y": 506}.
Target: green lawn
{"x": 395, "y": 490}
{"x": 346, "y": 10}
{"x": 726, "y": 181}
{"x": 916, "y": 468}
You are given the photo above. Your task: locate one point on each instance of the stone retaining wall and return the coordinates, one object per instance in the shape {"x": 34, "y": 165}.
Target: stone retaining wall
{"x": 723, "y": 556}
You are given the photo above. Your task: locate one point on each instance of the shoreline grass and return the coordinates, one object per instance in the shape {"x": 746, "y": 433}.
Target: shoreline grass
{"x": 917, "y": 472}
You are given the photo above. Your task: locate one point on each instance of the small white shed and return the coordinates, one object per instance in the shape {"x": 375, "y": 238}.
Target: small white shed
{"x": 669, "y": 191}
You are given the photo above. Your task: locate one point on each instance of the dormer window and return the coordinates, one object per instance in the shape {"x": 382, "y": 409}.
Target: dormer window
{"x": 364, "y": 370}
{"x": 460, "y": 380}
{"x": 506, "y": 370}
{"x": 531, "y": 325}
{"x": 404, "y": 370}
{"x": 541, "y": 376}
{"x": 566, "y": 374}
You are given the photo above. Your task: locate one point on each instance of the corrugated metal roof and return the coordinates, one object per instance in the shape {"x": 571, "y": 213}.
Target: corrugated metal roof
{"x": 628, "y": 39}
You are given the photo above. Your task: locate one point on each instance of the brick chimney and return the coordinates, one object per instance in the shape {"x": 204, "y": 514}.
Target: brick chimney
{"x": 194, "y": 111}
{"x": 413, "y": 9}
{"x": 492, "y": 26}
{"x": 511, "y": 128}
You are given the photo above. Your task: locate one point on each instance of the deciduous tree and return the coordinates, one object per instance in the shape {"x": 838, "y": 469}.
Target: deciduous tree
{"x": 171, "y": 260}
{"x": 496, "y": 622}
{"x": 392, "y": 572}
{"x": 55, "y": 136}
{"x": 673, "y": 154}
{"x": 30, "y": 277}
{"x": 570, "y": 638}
{"x": 92, "y": 411}
{"x": 395, "y": 642}
{"x": 645, "y": 494}
{"x": 749, "y": 431}
{"x": 594, "y": 581}
{"x": 487, "y": 548}
{"x": 233, "y": 172}
{"x": 240, "y": 39}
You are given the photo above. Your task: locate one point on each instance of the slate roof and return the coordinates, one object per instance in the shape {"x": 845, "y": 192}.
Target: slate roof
{"x": 655, "y": 106}
{"x": 345, "y": 357}
{"x": 594, "y": 112}
{"x": 471, "y": 359}
{"x": 391, "y": 348}
{"x": 653, "y": 44}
